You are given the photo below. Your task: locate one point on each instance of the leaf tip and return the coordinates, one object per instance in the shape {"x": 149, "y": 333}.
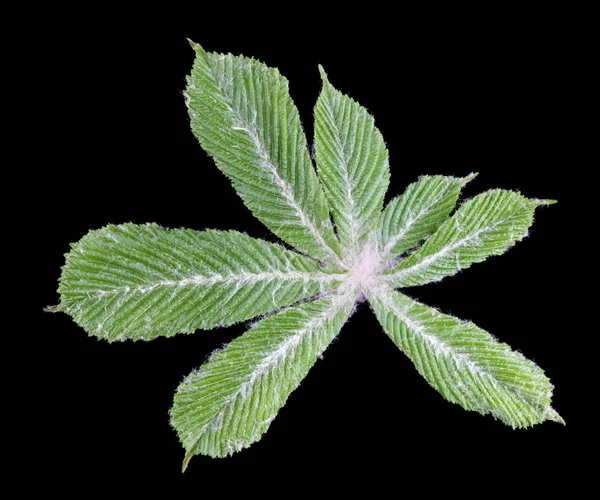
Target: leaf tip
{"x": 545, "y": 202}
{"x": 196, "y": 46}
{"x": 186, "y": 460}
{"x": 552, "y": 414}
{"x": 323, "y": 74}
{"x": 469, "y": 177}
{"x": 52, "y": 309}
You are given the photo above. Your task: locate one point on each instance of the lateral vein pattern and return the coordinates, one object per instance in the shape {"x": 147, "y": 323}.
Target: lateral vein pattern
{"x": 231, "y": 400}
{"x": 464, "y": 363}
{"x": 142, "y": 281}
{"x": 418, "y": 212}
{"x": 483, "y": 226}
{"x": 352, "y": 162}
{"x": 138, "y": 282}
{"x": 243, "y": 116}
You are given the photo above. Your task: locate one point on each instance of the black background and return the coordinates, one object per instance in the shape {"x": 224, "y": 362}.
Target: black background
{"x": 452, "y": 93}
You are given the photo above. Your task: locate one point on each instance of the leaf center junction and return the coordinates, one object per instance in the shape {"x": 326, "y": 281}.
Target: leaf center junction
{"x": 365, "y": 268}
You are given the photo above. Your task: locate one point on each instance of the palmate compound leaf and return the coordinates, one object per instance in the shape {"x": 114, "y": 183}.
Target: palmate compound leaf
{"x": 352, "y": 163}
{"x": 464, "y": 363}
{"x": 139, "y": 282}
{"x": 418, "y": 212}
{"x": 485, "y": 225}
{"x": 243, "y": 115}
{"x": 229, "y": 403}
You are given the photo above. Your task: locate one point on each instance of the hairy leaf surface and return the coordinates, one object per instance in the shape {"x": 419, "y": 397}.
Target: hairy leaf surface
{"x": 464, "y": 363}
{"x": 243, "y": 115}
{"x": 142, "y": 281}
{"x": 352, "y": 163}
{"x": 418, "y": 212}
{"x": 483, "y": 226}
{"x": 229, "y": 403}
{"x": 138, "y": 282}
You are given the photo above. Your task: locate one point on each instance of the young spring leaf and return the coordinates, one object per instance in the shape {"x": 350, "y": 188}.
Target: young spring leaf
{"x": 352, "y": 162}
{"x": 243, "y": 115}
{"x": 485, "y": 225}
{"x": 464, "y": 363}
{"x": 418, "y": 212}
{"x": 230, "y": 402}
{"x": 138, "y": 282}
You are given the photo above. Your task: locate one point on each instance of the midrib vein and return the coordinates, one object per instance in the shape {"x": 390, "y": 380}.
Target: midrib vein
{"x": 346, "y": 180}
{"x": 232, "y": 279}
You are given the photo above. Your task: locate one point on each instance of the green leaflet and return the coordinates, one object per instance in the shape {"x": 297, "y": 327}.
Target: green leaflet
{"x": 243, "y": 115}
{"x": 231, "y": 401}
{"x": 418, "y": 212}
{"x": 464, "y": 363}
{"x": 139, "y": 282}
{"x": 483, "y": 226}
{"x": 352, "y": 162}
